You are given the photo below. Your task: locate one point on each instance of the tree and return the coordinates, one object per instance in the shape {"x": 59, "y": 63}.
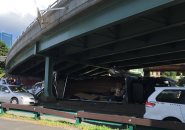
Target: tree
{"x": 181, "y": 81}
{"x": 170, "y": 74}
{"x": 3, "y": 49}
{"x": 3, "y": 52}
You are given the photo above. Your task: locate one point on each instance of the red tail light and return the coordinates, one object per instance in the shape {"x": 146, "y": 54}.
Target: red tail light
{"x": 149, "y": 104}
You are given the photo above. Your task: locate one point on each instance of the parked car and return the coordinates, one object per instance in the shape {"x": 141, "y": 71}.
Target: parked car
{"x": 3, "y": 81}
{"x": 15, "y": 95}
{"x": 9, "y": 81}
{"x": 166, "y": 103}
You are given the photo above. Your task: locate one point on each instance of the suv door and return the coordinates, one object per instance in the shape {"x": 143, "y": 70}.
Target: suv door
{"x": 183, "y": 105}
{"x": 169, "y": 104}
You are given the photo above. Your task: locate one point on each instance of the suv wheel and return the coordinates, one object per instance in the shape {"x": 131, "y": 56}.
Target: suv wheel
{"x": 172, "y": 119}
{"x": 14, "y": 101}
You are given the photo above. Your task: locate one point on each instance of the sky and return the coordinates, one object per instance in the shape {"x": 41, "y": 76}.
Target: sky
{"x": 16, "y": 15}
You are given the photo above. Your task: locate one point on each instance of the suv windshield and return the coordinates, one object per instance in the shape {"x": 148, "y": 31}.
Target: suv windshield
{"x": 16, "y": 89}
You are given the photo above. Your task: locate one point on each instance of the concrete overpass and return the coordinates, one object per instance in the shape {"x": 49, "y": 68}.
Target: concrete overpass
{"x": 91, "y": 36}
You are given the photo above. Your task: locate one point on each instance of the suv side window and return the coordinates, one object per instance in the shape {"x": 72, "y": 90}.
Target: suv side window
{"x": 172, "y": 96}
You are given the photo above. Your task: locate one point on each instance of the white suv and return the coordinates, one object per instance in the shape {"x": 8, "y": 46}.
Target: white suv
{"x": 166, "y": 103}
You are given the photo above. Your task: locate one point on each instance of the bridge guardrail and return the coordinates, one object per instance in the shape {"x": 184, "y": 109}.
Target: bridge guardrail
{"x": 34, "y": 30}
{"x": 132, "y": 123}
{"x": 36, "y": 110}
{"x": 21, "y": 38}
{"x": 34, "y": 21}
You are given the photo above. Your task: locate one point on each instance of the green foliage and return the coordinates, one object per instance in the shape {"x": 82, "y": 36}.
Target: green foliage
{"x": 3, "y": 52}
{"x": 2, "y": 65}
{"x": 1, "y": 70}
{"x": 2, "y": 75}
{"x": 94, "y": 127}
{"x": 3, "y": 49}
{"x": 181, "y": 81}
{"x": 170, "y": 74}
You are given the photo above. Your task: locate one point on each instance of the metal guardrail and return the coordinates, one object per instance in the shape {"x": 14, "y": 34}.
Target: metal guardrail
{"x": 37, "y": 110}
{"x": 132, "y": 123}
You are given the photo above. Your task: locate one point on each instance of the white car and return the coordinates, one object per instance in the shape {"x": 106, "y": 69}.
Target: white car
{"x": 15, "y": 95}
{"x": 166, "y": 103}
{"x": 3, "y": 81}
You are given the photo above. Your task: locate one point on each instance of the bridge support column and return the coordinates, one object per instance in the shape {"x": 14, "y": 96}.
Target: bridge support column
{"x": 48, "y": 77}
{"x": 146, "y": 73}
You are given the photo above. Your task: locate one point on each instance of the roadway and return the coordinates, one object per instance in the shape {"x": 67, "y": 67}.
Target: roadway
{"x": 7, "y": 124}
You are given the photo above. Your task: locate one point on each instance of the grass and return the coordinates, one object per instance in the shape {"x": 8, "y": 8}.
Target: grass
{"x": 51, "y": 123}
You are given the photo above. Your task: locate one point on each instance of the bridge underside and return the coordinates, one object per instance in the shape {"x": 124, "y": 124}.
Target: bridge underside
{"x": 153, "y": 38}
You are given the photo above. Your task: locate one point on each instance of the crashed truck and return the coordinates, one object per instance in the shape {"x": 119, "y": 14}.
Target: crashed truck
{"x": 115, "y": 88}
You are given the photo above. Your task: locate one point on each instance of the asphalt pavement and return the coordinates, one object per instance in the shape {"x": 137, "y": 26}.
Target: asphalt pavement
{"x": 6, "y": 124}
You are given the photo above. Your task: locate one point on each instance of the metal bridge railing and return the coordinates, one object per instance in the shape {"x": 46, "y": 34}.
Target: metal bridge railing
{"x": 132, "y": 123}
{"x": 34, "y": 30}
{"x": 35, "y": 20}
